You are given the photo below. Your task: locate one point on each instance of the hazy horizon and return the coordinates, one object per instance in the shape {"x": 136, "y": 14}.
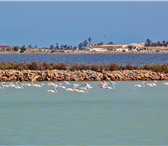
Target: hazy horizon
{"x": 46, "y": 23}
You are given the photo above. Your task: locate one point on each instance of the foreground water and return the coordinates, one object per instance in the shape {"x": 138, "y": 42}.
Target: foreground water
{"x": 125, "y": 115}
{"x": 70, "y": 59}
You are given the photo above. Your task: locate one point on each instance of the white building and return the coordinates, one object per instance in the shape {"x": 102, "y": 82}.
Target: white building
{"x": 97, "y": 49}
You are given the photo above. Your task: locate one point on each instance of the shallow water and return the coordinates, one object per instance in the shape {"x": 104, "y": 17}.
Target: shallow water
{"x": 101, "y": 59}
{"x": 126, "y": 115}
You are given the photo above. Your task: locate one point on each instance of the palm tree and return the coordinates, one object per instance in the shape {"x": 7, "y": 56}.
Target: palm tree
{"x": 101, "y": 43}
{"x": 89, "y": 39}
{"x": 57, "y": 46}
{"x": 110, "y": 43}
{"x": 85, "y": 43}
{"x": 148, "y": 42}
{"x": 164, "y": 43}
{"x": 16, "y": 48}
{"x": 51, "y": 47}
{"x": 158, "y": 43}
{"x": 22, "y": 49}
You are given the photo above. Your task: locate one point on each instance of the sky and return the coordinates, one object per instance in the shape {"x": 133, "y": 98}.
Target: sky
{"x": 46, "y": 23}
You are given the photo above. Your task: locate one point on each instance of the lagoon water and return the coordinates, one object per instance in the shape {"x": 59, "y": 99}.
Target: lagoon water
{"x": 126, "y": 115}
{"x": 70, "y": 59}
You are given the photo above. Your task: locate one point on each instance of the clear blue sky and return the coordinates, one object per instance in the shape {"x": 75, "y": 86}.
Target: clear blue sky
{"x": 45, "y": 23}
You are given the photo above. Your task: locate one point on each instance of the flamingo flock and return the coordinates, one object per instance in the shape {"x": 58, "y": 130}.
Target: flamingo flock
{"x": 147, "y": 84}
{"x": 81, "y": 88}
{"x": 73, "y": 87}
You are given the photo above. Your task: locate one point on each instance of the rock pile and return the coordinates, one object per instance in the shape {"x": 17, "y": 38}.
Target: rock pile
{"x": 83, "y": 75}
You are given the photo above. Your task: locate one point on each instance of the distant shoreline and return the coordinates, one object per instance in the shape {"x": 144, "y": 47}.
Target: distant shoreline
{"x": 85, "y": 52}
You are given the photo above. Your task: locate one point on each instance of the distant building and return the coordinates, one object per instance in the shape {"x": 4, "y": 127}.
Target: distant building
{"x": 96, "y": 49}
{"x": 4, "y": 48}
{"x": 119, "y": 49}
{"x": 111, "y": 47}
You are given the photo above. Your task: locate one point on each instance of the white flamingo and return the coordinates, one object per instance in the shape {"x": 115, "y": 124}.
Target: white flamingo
{"x": 17, "y": 85}
{"x": 113, "y": 82}
{"x": 66, "y": 82}
{"x": 3, "y": 86}
{"x": 51, "y": 84}
{"x": 78, "y": 90}
{"x": 140, "y": 85}
{"x": 75, "y": 85}
{"x": 52, "y": 91}
{"x": 26, "y": 84}
{"x": 165, "y": 83}
{"x": 61, "y": 86}
{"x": 151, "y": 84}
{"x": 88, "y": 86}
{"x": 84, "y": 88}
{"x": 69, "y": 89}
{"x": 104, "y": 85}
{"x": 12, "y": 84}
{"x": 37, "y": 85}
{"x": 113, "y": 85}
{"x": 75, "y": 89}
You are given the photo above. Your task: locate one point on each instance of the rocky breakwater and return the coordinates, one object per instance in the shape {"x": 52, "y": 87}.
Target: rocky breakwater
{"x": 82, "y": 75}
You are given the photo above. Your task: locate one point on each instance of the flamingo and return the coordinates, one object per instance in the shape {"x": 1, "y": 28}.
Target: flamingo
{"x": 52, "y": 91}
{"x": 151, "y": 84}
{"x": 166, "y": 83}
{"x": 113, "y": 85}
{"x": 69, "y": 89}
{"x": 61, "y": 86}
{"x": 12, "y": 84}
{"x": 26, "y": 84}
{"x": 104, "y": 85}
{"x": 17, "y": 85}
{"x": 140, "y": 85}
{"x": 84, "y": 88}
{"x": 88, "y": 86}
{"x": 66, "y": 82}
{"x": 37, "y": 85}
{"x": 113, "y": 82}
{"x": 51, "y": 84}
{"x": 76, "y": 85}
{"x": 108, "y": 87}
{"x": 4, "y": 85}
{"x": 77, "y": 90}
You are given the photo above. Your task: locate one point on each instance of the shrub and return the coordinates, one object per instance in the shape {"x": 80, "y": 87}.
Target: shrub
{"x": 129, "y": 67}
{"x": 60, "y": 66}
{"x": 114, "y": 67}
{"x": 45, "y": 66}
{"x": 94, "y": 67}
{"x": 34, "y": 66}
{"x": 165, "y": 68}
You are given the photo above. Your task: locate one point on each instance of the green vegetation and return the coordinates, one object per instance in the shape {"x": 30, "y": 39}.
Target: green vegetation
{"x": 149, "y": 43}
{"x": 94, "y": 67}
